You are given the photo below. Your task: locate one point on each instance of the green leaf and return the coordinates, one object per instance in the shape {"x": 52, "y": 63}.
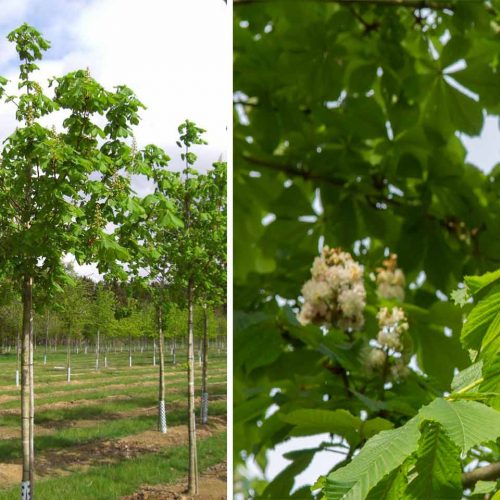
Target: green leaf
{"x": 468, "y": 423}
{"x": 468, "y": 377}
{"x": 375, "y": 425}
{"x": 380, "y": 456}
{"x": 392, "y": 487}
{"x": 480, "y": 318}
{"x": 283, "y": 482}
{"x": 484, "y": 487}
{"x": 491, "y": 340}
{"x": 339, "y": 422}
{"x": 460, "y": 296}
{"x": 477, "y": 283}
{"x": 438, "y": 466}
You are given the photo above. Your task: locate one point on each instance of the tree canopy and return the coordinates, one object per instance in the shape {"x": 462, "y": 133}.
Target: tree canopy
{"x": 349, "y": 126}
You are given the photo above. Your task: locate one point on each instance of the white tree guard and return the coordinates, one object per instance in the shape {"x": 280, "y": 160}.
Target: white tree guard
{"x": 25, "y": 490}
{"x": 17, "y": 378}
{"x": 69, "y": 375}
{"x": 204, "y": 408}
{"x": 162, "y": 423}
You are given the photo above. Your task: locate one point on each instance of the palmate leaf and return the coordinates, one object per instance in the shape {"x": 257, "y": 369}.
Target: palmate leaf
{"x": 380, "y": 456}
{"x": 437, "y": 466}
{"x": 466, "y": 423}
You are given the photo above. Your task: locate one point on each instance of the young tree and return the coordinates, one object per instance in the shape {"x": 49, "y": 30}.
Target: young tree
{"x": 103, "y": 314}
{"x": 75, "y": 311}
{"x": 212, "y": 291}
{"x": 59, "y": 191}
{"x": 198, "y": 245}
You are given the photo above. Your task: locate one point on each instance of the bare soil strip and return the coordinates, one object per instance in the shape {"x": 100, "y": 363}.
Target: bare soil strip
{"x": 79, "y": 458}
{"x": 90, "y": 402}
{"x": 11, "y": 432}
{"x": 212, "y": 486}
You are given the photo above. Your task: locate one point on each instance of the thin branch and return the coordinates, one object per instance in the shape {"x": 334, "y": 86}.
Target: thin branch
{"x": 487, "y": 473}
{"x": 372, "y": 199}
{"x": 412, "y": 4}
{"x": 293, "y": 171}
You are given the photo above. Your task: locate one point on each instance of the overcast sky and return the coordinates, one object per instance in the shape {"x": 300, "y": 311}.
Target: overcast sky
{"x": 174, "y": 54}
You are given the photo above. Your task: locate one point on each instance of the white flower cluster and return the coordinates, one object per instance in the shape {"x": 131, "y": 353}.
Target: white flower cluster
{"x": 392, "y": 323}
{"x": 391, "y": 280}
{"x": 335, "y": 295}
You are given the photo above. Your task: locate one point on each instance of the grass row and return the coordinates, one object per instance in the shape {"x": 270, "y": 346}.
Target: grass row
{"x": 10, "y": 449}
{"x": 111, "y": 409}
{"x": 107, "y": 393}
{"x": 88, "y": 362}
{"x": 111, "y": 482}
{"x": 110, "y": 380}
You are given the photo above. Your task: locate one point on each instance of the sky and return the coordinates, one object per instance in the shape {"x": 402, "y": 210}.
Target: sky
{"x": 173, "y": 54}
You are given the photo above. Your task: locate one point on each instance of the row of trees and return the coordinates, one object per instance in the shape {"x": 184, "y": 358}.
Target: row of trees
{"x": 97, "y": 318}
{"x": 67, "y": 190}
{"x": 94, "y": 317}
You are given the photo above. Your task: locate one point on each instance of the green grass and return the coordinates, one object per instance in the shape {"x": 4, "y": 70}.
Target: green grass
{"x": 10, "y": 449}
{"x": 103, "y": 410}
{"x": 83, "y": 367}
{"x": 107, "y": 380}
{"x": 106, "y": 393}
{"x": 111, "y": 482}
{"x": 105, "y": 419}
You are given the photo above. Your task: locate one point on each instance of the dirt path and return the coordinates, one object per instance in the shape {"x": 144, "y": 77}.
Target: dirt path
{"x": 212, "y": 486}
{"x": 79, "y": 458}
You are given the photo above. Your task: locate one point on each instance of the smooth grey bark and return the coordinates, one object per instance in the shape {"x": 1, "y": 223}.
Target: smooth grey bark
{"x": 97, "y": 352}
{"x": 193, "y": 458}
{"x": 27, "y": 394}
{"x": 68, "y": 356}
{"x": 162, "y": 417}
{"x": 204, "y": 377}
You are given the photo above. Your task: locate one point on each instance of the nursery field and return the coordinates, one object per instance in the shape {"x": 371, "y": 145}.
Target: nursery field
{"x": 96, "y": 437}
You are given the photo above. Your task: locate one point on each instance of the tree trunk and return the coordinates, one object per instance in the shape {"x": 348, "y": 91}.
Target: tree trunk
{"x": 97, "y": 352}
{"x": 162, "y": 416}
{"x": 204, "y": 381}
{"x": 174, "y": 354}
{"x": 106, "y": 344}
{"x": 129, "y": 351}
{"x": 68, "y": 357}
{"x": 18, "y": 357}
{"x": 46, "y": 339}
{"x": 27, "y": 410}
{"x": 193, "y": 459}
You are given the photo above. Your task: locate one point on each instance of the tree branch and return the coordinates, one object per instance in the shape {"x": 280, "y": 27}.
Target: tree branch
{"x": 412, "y": 4}
{"x": 293, "y": 171}
{"x": 487, "y": 473}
